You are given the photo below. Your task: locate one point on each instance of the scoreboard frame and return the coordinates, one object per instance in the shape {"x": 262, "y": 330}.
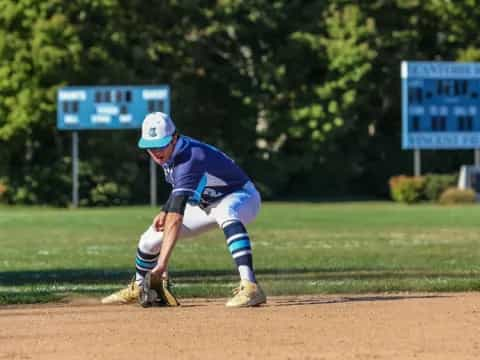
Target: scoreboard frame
{"x": 440, "y": 105}
{"x": 108, "y": 108}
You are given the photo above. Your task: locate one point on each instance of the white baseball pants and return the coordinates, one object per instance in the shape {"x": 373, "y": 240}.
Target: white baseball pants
{"x": 242, "y": 205}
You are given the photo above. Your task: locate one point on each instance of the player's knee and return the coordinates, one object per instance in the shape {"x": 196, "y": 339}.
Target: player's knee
{"x": 150, "y": 242}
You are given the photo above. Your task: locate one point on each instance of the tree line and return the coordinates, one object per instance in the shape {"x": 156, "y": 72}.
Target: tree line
{"x": 305, "y": 95}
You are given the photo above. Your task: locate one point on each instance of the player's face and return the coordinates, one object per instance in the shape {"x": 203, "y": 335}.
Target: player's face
{"x": 161, "y": 155}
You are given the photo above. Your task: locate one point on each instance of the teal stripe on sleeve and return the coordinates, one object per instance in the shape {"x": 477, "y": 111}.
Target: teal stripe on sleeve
{"x": 201, "y": 186}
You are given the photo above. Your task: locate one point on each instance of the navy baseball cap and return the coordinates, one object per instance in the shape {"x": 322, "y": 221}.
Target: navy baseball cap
{"x": 157, "y": 131}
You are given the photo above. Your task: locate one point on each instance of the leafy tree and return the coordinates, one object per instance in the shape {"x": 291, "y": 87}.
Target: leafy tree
{"x": 304, "y": 94}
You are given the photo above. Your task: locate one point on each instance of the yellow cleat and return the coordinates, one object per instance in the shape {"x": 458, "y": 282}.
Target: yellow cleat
{"x": 128, "y": 295}
{"x": 247, "y": 294}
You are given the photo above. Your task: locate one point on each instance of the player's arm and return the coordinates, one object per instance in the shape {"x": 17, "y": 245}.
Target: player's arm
{"x": 159, "y": 220}
{"x": 171, "y": 229}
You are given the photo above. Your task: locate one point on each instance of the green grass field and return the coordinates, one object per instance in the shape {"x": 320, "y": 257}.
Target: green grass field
{"x": 299, "y": 248}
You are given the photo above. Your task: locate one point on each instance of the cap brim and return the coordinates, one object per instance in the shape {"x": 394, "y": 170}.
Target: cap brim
{"x": 156, "y": 143}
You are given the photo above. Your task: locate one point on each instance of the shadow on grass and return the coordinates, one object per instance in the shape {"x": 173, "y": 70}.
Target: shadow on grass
{"x": 38, "y": 286}
{"x": 120, "y": 276}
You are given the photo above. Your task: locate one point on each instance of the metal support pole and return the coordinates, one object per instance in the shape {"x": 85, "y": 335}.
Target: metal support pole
{"x": 75, "y": 169}
{"x": 153, "y": 183}
{"x": 477, "y": 157}
{"x": 417, "y": 163}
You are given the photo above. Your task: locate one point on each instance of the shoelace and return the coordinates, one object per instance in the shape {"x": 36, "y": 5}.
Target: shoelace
{"x": 130, "y": 288}
{"x": 237, "y": 290}
{"x": 132, "y": 283}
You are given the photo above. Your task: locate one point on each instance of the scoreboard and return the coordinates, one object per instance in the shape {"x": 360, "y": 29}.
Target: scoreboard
{"x": 440, "y": 105}
{"x": 109, "y": 107}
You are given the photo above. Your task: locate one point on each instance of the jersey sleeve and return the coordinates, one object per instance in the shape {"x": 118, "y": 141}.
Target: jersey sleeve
{"x": 176, "y": 204}
{"x": 189, "y": 179}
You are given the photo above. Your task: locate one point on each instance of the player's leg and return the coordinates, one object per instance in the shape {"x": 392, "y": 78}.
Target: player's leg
{"x": 195, "y": 221}
{"x": 232, "y": 213}
{"x": 146, "y": 258}
{"x": 156, "y": 290}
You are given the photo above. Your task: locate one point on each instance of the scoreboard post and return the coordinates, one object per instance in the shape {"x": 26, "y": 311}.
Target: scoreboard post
{"x": 440, "y": 107}
{"x": 108, "y": 108}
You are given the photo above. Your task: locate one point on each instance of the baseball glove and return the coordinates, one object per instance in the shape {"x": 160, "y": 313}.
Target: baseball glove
{"x": 157, "y": 291}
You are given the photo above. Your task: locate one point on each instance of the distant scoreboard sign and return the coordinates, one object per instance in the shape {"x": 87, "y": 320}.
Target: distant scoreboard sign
{"x": 440, "y": 105}
{"x": 109, "y": 107}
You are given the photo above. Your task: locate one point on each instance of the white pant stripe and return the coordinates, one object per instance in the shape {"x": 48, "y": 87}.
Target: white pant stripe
{"x": 235, "y": 237}
{"x": 241, "y": 253}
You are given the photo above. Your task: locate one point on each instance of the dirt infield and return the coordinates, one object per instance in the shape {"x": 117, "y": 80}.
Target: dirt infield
{"x": 403, "y": 326}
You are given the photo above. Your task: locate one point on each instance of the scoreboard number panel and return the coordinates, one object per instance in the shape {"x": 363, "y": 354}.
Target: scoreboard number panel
{"x": 109, "y": 107}
{"x": 440, "y": 105}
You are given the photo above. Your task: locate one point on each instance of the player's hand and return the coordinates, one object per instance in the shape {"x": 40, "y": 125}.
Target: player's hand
{"x": 159, "y": 221}
{"x": 159, "y": 269}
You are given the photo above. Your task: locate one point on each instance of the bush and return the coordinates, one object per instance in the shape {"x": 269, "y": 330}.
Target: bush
{"x": 436, "y": 184}
{"x": 39, "y": 185}
{"x": 407, "y": 189}
{"x": 109, "y": 193}
{"x": 454, "y": 195}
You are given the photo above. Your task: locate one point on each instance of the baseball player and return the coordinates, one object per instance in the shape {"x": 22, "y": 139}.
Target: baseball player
{"x": 208, "y": 190}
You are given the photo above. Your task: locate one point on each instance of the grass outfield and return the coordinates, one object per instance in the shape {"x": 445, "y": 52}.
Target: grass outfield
{"x": 299, "y": 248}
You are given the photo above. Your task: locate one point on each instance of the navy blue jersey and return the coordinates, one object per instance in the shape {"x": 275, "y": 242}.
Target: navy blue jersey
{"x": 202, "y": 172}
